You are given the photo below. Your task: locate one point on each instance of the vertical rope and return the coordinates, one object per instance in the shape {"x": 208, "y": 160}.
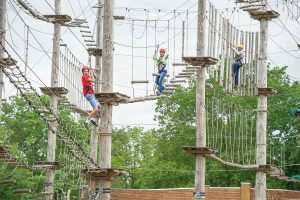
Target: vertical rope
{"x": 221, "y": 134}
{"x": 187, "y": 33}
{"x": 132, "y": 28}
{"x": 207, "y": 123}
{"x": 168, "y": 65}
{"x": 223, "y": 50}
{"x": 234, "y": 134}
{"x": 212, "y": 122}
{"x": 174, "y": 42}
{"x": 147, "y": 88}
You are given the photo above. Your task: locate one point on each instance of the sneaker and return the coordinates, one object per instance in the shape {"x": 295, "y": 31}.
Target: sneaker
{"x": 93, "y": 122}
{"x": 86, "y": 124}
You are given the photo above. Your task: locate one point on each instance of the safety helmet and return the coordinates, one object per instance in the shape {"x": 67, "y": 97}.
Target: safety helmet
{"x": 240, "y": 46}
{"x": 84, "y": 68}
{"x": 162, "y": 50}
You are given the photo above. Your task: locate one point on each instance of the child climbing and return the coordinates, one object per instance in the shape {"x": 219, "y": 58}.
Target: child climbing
{"x": 160, "y": 62}
{"x": 238, "y": 62}
{"x": 88, "y": 78}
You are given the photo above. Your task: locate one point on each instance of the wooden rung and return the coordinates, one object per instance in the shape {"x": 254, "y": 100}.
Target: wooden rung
{"x": 80, "y": 20}
{"x": 89, "y": 36}
{"x": 41, "y": 110}
{"x": 190, "y": 70}
{"x": 81, "y": 26}
{"x": 46, "y": 193}
{"x": 119, "y": 17}
{"x": 9, "y": 181}
{"x": 182, "y": 76}
{"x": 158, "y": 74}
{"x": 139, "y": 81}
{"x": 59, "y": 18}
{"x": 178, "y": 81}
{"x": 84, "y": 31}
{"x": 172, "y": 85}
{"x": 47, "y": 165}
{"x": 170, "y": 88}
{"x": 186, "y": 73}
{"x": 92, "y": 41}
{"x": 20, "y": 191}
{"x": 180, "y": 64}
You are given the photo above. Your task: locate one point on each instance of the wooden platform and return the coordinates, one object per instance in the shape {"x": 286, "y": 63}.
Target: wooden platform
{"x": 4, "y": 149}
{"x": 57, "y": 91}
{"x": 7, "y": 62}
{"x": 62, "y": 19}
{"x": 270, "y": 170}
{"x": 259, "y": 14}
{"x": 94, "y": 51}
{"x": 113, "y": 98}
{"x": 201, "y": 61}
{"x": 199, "y": 150}
{"x": 266, "y": 91}
{"x": 106, "y": 174}
{"x": 47, "y": 165}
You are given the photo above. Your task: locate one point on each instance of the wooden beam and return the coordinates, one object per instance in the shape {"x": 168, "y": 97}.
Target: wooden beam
{"x": 21, "y": 191}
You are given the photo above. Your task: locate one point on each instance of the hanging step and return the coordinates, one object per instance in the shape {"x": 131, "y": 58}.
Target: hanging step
{"x": 21, "y": 191}
{"x": 178, "y": 81}
{"x": 182, "y": 76}
{"x": 57, "y": 91}
{"x": 172, "y": 85}
{"x": 180, "y": 64}
{"x": 170, "y": 88}
{"x": 204, "y": 61}
{"x": 6, "y": 182}
{"x": 80, "y": 20}
{"x": 88, "y": 36}
{"x": 85, "y": 31}
{"x": 190, "y": 67}
{"x": 48, "y": 165}
{"x": 186, "y": 74}
{"x": 91, "y": 41}
{"x": 116, "y": 17}
{"x": 139, "y": 81}
{"x": 42, "y": 110}
{"x": 158, "y": 74}
{"x": 189, "y": 70}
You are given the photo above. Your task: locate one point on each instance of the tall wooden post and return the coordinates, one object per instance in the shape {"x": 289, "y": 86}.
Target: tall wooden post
{"x": 2, "y": 39}
{"x": 200, "y": 103}
{"x": 107, "y": 86}
{"x": 53, "y": 102}
{"x": 94, "y": 135}
{"x": 261, "y": 123}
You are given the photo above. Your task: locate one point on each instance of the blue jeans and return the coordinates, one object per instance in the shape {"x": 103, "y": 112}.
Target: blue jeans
{"x": 92, "y": 99}
{"x": 159, "y": 80}
{"x": 236, "y": 68}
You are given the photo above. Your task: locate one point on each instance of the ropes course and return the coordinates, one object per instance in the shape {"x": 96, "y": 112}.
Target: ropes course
{"x": 230, "y": 129}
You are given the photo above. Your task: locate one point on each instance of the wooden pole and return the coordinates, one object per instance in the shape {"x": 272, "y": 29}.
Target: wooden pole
{"x": 107, "y": 77}
{"x": 94, "y": 135}
{"x": 200, "y": 103}
{"x": 53, "y": 103}
{"x": 261, "y": 123}
{"x": 2, "y": 40}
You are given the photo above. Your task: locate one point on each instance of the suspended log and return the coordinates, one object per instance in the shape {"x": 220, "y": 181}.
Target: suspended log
{"x": 199, "y": 150}
{"x": 177, "y": 81}
{"x": 62, "y": 19}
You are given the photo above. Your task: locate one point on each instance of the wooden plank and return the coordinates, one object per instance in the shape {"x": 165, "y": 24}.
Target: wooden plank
{"x": 21, "y": 191}
{"x": 139, "y": 81}
{"x": 180, "y": 64}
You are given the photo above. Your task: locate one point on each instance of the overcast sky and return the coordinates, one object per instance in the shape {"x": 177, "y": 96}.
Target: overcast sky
{"x": 143, "y": 113}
